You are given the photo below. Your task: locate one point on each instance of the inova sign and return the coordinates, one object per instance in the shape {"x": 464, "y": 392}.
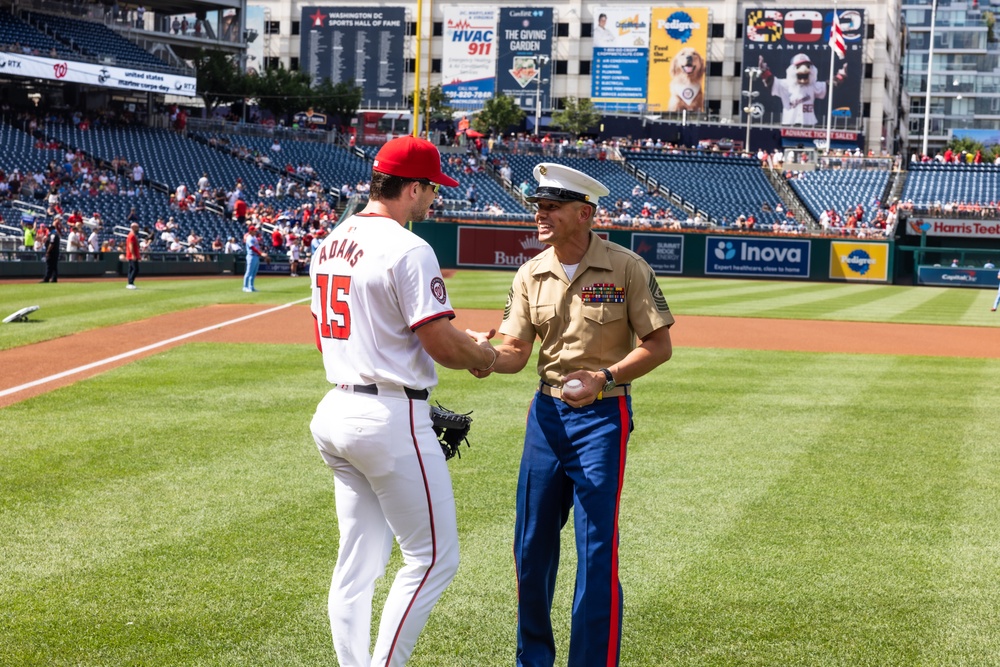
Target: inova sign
{"x": 757, "y": 257}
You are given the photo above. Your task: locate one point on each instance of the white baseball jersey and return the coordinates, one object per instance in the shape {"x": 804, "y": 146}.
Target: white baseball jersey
{"x": 374, "y": 283}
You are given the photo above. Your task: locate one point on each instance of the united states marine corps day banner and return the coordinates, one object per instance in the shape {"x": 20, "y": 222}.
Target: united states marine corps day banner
{"x": 618, "y": 73}
{"x": 356, "y": 44}
{"x": 469, "y": 61}
{"x": 678, "y": 46}
{"x": 791, "y": 47}
{"x": 524, "y": 34}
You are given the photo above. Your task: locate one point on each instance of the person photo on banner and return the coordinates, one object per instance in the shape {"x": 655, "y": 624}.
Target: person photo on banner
{"x": 799, "y": 89}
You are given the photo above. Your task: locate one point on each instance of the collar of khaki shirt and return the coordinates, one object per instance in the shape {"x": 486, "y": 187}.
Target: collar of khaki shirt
{"x": 596, "y": 257}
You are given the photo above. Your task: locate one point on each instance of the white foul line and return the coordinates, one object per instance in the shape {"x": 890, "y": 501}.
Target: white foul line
{"x": 132, "y": 353}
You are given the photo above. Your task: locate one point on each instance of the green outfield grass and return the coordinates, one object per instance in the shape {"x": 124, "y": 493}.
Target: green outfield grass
{"x": 74, "y": 306}
{"x": 779, "y": 508}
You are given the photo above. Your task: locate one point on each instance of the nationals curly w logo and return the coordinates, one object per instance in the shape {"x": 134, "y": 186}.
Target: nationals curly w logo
{"x": 60, "y": 70}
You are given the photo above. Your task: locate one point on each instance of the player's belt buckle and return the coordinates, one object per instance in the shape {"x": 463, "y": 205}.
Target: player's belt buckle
{"x": 373, "y": 389}
{"x": 556, "y": 392}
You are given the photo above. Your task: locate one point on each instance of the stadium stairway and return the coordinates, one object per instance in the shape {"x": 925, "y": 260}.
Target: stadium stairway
{"x": 791, "y": 199}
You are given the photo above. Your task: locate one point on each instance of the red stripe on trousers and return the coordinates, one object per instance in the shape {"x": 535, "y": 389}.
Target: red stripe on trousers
{"x": 430, "y": 509}
{"x": 616, "y": 603}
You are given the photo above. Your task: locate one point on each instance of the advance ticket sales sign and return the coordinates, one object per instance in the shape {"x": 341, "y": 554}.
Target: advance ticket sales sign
{"x": 107, "y": 76}
{"x": 469, "y": 62}
{"x": 618, "y": 75}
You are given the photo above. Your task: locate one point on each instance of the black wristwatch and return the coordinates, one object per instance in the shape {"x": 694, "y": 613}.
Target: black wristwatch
{"x": 610, "y": 381}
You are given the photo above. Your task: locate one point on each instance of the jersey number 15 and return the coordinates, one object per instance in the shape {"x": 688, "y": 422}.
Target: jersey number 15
{"x": 332, "y": 290}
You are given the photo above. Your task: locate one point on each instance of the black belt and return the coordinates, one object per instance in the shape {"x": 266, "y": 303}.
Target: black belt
{"x": 415, "y": 394}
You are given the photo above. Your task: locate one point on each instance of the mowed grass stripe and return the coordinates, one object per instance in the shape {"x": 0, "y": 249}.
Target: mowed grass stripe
{"x": 837, "y": 564}
{"x": 968, "y": 630}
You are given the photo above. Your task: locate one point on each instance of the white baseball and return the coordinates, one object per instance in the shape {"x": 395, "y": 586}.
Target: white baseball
{"x": 572, "y": 389}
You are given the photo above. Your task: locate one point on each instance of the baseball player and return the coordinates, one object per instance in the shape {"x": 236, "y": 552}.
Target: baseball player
{"x": 587, "y": 300}
{"x": 254, "y": 255}
{"x": 996, "y": 301}
{"x": 382, "y": 319}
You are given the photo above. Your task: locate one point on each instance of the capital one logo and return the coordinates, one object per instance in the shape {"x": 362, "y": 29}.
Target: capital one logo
{"x": 60, "y": 70}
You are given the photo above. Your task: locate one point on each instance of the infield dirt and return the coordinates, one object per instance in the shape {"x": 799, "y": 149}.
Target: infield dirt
{"x": 29, "y": 363}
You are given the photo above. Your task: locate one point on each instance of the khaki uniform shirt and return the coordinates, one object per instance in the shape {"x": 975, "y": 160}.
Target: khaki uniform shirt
{"x": 591, "y": 322}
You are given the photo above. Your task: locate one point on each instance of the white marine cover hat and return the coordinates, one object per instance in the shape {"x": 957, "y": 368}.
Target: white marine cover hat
{"x": 558, "y": 182}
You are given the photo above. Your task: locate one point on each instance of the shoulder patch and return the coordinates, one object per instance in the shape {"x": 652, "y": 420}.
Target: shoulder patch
{"x": 657, "y": 294}
{"x": 510, "y": 302}
{"x": 438, "y": 290}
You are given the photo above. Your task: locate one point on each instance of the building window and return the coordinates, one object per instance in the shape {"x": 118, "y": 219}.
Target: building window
{"x": 739, "y": 31}
{"x": 869, "y": 68}
{"x": 718, "y": 30}
{"x": 293, "y": 64}
{"x": 411, "y": 65}
{"x": 866, "y": 109}
{"x": 435, "y": 65}
{"x": 715, "y": 69}
{"x": 296, "y": 27}
{"x": 562, "y": 30}
{"x": 737, "y": 68}
{"x": 715, "y": 107}
{"x": 272, "y": 27}
{"x": 586, "y": 30}
{"x": 584, "y": 67}
{"x": 438, "y": 29}
{"x": 411, "y": 28}
{"x": 271, "y": 62}
{"x": 562, "y": 67}
{"x": 871, "y": 31}
{"x": 737, "y": 109}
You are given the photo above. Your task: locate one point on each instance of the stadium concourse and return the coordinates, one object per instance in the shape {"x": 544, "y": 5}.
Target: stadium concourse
{"x": 34, "y": 369}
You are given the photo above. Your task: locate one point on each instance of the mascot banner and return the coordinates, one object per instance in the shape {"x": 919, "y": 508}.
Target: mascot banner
{"x": 469, "y": 62}
{"x": 792, "y": 49}
{"x": 363, "y": 45}
{"x": 524, "y": 34}
{"x": 678, "y": 44}
{"x": 618, "y": 74}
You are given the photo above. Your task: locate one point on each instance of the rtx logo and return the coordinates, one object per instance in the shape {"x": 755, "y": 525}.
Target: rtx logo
{"x": 9, "y": 63}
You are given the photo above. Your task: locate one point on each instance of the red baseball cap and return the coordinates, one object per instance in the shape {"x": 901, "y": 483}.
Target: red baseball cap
{"x": 414, "y": 158}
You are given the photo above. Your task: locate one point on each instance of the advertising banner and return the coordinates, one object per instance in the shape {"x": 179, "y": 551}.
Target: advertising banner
{"x": 524, "y": 34}
{"x": 956, "y": 277}
{"x": 859, "y": 261}
{"x": 760, "y": 257}
{"x": 469, "y": 61}
{"x": 345, "y": 44}
{"x": 618, "y": 73}
{"x": 663, "y": 252}
{"x": 108, "y": 76}
{"x": 678, "y": 48}
{"x": 499, "y": 248}
{"x": 791, "y": 47}
{"x": 979, "y": 229}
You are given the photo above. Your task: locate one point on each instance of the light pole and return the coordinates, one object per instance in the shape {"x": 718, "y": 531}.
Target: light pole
{"x": 751, "y": 95}
{"x": 540, "y": 62}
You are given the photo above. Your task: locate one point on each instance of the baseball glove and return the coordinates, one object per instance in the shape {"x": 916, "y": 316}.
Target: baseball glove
{"x": 451, "y": 429}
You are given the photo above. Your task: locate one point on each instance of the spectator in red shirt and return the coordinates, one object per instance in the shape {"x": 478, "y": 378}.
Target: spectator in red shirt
{"x": 277, "y": 240}
{"x": 132, "y": 255}
{"x": 240, "y": 211}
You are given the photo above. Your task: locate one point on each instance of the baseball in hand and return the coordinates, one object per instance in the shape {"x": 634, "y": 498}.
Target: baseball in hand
{"x": 573, "y": 389}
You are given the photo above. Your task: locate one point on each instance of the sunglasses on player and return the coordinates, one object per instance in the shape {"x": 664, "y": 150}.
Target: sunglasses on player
{"x": 434, "y": 186}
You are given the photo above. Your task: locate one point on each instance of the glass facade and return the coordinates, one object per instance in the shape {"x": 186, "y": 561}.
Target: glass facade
{"x": 965, "y": 76}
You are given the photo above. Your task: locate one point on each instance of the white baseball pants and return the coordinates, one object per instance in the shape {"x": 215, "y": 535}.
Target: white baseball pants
{"x": 390, "y": 479}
